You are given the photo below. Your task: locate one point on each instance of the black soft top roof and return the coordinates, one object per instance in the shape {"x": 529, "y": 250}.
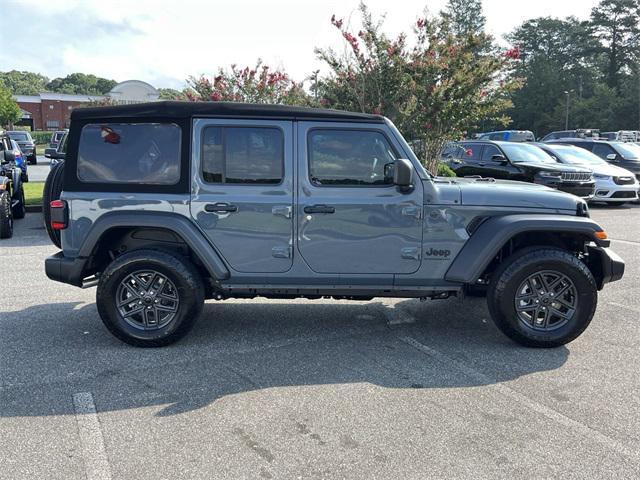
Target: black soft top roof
{"x": 172, "y": 109}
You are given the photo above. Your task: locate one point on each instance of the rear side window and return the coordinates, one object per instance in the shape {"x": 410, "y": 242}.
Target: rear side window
{"x": 472, "y": 151}
{"x": 349, "y": 157}
{"x": 243, "y": 155}
{"x": 141, "y": 153}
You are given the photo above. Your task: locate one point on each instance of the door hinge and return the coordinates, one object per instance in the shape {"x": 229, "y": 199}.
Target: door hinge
{"x": 281, "y": 252}
{"x": 410, "y": 253}
{"x": 412, "y": 212}
{"x": 282, "y": 211}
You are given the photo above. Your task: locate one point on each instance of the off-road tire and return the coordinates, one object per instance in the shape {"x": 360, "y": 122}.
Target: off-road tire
{"x": 6, "y": 216}
{"x": 514, "y": 270}
{"x": 177, "y": 269}
{"x": 52, "y": 190}
{"x": 20, "y": 210}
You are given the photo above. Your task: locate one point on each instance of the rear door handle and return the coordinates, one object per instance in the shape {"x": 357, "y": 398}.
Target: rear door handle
{"x": 220, "y": 208}
{"x": 319, "y": 209}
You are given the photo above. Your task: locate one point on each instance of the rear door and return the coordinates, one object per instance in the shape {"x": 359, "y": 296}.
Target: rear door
{"x": 242, "y": 191}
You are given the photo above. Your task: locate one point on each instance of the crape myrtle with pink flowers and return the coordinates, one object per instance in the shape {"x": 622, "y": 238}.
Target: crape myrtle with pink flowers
{"x": 436, "y": 82}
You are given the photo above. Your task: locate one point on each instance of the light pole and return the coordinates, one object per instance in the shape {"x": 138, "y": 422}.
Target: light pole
{"x": 566, "y": 116}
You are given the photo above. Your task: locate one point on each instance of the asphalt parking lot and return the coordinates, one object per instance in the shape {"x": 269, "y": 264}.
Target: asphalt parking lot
{"x": 314, "y": 389}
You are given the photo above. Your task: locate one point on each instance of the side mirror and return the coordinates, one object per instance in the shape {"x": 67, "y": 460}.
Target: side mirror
{"x": 49, "y": 151}
{"x": 499, "y": 158}
{"x": 9, "y": 156}
{"x": 57, "y": 155}
{"x": 612, "y": 156}
{"x": 403, "y": 174}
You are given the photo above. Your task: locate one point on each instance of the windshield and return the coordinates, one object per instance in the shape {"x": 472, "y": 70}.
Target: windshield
{"x": 628, "y": 150}
{"x": 576, "y": 155}
{"x": 19, "y": 136}
{"x": 518, "y": 152}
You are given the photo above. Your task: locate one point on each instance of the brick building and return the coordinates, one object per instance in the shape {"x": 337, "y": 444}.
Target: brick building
{"x": 52, "y": 111}
{"x": 49, "y": 111}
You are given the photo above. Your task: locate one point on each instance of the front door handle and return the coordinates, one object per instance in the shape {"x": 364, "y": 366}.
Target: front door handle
{"x": 220, "y": 207}
{"x": 319, "y": 209}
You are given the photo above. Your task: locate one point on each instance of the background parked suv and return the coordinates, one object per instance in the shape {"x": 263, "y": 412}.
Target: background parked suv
{"x": 523, "y": 162}
{"x": 623, "y": 155}
{"x": 26, "y": 144}
{"x": 166, "y": 204}
{"x": 614, "y": 185}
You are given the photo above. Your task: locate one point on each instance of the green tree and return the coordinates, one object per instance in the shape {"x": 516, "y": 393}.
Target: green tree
{"x": 171, "y": 94}
{"x": 556, "y": 56}
{"x": 9, "y": 110}
{"x": 616, "y": 23}
{"x": 465, "y": 17}
{"x": 23, "y": 83}
{"x": 81, "y": 84}
{"x": 438, "y": 89}
{"x": 258, "y": 84}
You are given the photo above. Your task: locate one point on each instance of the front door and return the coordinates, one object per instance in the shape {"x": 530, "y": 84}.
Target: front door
{"x": 351, "y": 218}
{"x": 242, "y": 191}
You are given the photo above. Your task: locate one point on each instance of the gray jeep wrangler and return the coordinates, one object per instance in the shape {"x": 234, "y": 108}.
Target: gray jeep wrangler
{"x": 164, "y": 205}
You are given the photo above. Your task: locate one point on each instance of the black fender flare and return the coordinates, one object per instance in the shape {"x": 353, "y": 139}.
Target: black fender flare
{"x": 492, "y": 234}
{"x": 16, "y": 174}
{"x": 178, "y": 224}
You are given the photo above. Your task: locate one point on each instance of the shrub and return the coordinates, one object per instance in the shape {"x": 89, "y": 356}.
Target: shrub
{"x": 445, "y": 171}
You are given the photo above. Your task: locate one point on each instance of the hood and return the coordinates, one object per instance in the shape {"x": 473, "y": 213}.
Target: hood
{"x": 508, "y": 193}
{"x": 555, "y": 167}
{"x": 610, "y": 170}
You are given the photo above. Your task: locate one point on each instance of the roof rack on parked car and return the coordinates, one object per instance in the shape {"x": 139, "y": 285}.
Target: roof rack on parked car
{"x": 622, "y": 136}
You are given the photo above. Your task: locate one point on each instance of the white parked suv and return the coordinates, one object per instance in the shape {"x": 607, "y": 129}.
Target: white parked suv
{"x": 614, "y": 185}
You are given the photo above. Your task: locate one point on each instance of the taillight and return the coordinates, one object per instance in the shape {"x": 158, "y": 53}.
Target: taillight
{"x": 59, "y": 214}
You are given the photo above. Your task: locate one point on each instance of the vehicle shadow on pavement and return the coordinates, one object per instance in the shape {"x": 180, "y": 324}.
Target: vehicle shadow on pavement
{"x": 252, "y": 346}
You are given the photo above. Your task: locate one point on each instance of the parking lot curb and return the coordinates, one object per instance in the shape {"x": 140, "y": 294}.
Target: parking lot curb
{"x": 34, "y": 208}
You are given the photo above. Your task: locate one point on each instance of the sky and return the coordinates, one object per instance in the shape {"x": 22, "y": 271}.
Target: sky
{"x": 164, "y": 42}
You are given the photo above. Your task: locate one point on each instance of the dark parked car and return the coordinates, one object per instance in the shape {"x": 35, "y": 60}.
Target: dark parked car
{"x": 620, "y": 154}
{"x": 508, "y": 136}
{"x": 56, "y": 138}
{"x": 26, "y": 144}
{"x": 523, "y": 162}
{"x": 12, "y": 203}
{"x": 579, "y": 133}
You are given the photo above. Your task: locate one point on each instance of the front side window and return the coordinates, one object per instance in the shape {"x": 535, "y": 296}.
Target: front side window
{"x": 243, "y": 155}
{"x": 489, "y": 151}
{"x": 602, "y": 150}
{"x": 349, "y": 157}
{"x": 143, "y": 153}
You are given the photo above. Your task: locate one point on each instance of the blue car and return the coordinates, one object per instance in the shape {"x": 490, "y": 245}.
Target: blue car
{"x": 21, "y": 161}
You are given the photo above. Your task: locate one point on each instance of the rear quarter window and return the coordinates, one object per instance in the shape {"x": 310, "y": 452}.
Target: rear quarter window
{"x": 130, "y": 153}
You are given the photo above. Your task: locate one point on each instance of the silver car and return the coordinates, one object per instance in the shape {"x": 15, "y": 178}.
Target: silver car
{"x": 614, "y": 185}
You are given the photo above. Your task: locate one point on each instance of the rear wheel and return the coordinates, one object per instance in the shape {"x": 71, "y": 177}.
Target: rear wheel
{"x": 52, "y": 191}
{"x": 149, "y": 298}
{"x": 6, "y": 216}
{"x": 542, "y": 297}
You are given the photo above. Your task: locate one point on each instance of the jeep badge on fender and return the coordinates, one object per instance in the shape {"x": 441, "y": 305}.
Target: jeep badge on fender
{"x": 434, "y": 252}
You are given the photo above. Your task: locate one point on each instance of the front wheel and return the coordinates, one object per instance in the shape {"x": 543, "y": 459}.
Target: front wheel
{"x": 542, "y": 297}
{"x": 6, "y": 216}
{"x": 20, "y": 209}
{"x": 149, "y": 298}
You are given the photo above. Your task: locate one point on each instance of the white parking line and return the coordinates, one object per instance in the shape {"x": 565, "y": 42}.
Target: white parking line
{"x": 96, "y": 463}
{"x": 550, "y": 413}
